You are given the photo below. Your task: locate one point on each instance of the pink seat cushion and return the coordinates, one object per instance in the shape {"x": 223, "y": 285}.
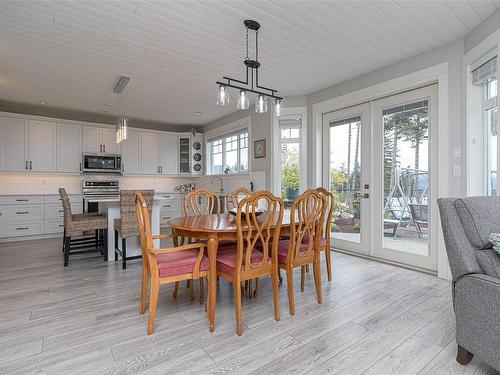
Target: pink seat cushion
{"x": 283, "y": 250}
{"x": 305, "y": 239}
{"x": 226, "y": 259}
{"x": 180, "y": 262}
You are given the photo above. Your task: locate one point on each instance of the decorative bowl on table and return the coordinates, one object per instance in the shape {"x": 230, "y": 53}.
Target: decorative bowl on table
{"x": 258, "y": 211}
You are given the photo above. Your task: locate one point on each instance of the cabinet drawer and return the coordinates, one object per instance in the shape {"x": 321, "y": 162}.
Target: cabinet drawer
{"x": 55, "y": 211}
{"x": 169, "y": 206}
{"x": 21, "y": 229}
{"x": 166, "y": 217}
{"x": 54, "y": 227}
{"x": 74, "y": 199}
{"x": 167, "y": 196}
{"x": 21, "y": 199}
{"x": 21, "y": 214}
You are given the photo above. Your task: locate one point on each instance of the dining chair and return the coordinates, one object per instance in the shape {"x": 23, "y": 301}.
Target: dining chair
{"x": 234, "y": 197}
{"x": 302, "y": 248}
{"x": 126, "y": 225}
{"x": 201, "y": 202}
{"x": 75, "y": 225}
{"x": 164, "y": 265}
{"x": 255, "y": 253}
{"x": 325, "y": 240}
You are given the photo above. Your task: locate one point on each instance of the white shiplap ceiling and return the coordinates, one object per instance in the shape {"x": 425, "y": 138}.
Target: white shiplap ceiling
{"x": 70, "y": 54}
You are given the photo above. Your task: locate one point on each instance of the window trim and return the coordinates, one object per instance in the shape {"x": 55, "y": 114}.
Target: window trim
{"x": 276, "y": 146}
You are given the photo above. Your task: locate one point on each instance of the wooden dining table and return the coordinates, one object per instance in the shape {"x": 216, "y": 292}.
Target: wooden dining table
{"x": 214, "y": 228}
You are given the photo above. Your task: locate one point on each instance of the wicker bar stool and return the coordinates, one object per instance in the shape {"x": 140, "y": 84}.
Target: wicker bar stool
{"x": 126, "y": 226}
{"x": 76, "y": 225}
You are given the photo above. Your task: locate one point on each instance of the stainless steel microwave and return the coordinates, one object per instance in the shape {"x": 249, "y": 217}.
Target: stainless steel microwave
{"x": 99, "y": 163}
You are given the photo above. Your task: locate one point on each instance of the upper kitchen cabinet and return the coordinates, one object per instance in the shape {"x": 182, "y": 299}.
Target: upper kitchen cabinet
{"x": 68, "y": 155}
{"x": 150, "y": 146}
{"x": 131, "y": 153}
{"x": 109, "y": 141}
{"x": 184, "y": 154}
{"x": 168, "y": 153}
{"x": 100, "y": 140}
{"x": 12, "y": 144}
{"x": 42, "y": 146}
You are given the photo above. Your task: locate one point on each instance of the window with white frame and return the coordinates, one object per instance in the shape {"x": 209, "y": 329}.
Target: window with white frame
{"x": 290, "y": 147}
{"x": 228, "y": 153}
{"x": 484, "y": 76}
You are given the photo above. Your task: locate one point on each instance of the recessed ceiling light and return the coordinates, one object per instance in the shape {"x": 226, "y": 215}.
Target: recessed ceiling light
{"x": 153, "y": 118}
{"x": 197, "y": 113}
{"x": 104, "y": 111}
{"x": 43, "y": 102}
{"x": 107, "y": 105}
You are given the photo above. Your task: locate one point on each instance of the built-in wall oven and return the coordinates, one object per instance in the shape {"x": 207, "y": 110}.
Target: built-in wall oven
{"x": 99, "y": 163}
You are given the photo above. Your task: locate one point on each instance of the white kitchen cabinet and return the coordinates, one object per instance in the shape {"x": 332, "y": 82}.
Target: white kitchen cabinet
{"x": 168, "y": 154}
{"x": 12, "y": 144}
{"x": 131, "y": 153}
{"x": 42, "y": 146}
{"x": 109, "y": 141}
{"x": 100, "y": 140}
{"x": 92, "y": 140}
{"x": 150, "y": 146}
{"x": 69, "y": 155}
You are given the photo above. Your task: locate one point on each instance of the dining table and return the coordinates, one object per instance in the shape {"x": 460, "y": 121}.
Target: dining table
{"x": 213, "y": 229}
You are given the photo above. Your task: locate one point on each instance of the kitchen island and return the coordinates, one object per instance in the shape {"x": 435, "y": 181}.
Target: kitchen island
{"x": 111, "y": 207}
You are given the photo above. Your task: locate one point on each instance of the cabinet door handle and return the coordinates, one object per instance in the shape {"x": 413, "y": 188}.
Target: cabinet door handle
{"x": 22, "y": 200}
{"x": 31, "y": 164}
{"x": 22, "y": 228}
{"x": 123, "y": 167}
{"x": 22, "y": 212}
{"x": 80, "y": 167}
{"x": 104, "y": 148}
{"x": 26, "y": 167}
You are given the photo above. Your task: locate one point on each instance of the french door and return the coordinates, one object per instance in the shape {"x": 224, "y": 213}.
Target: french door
{"x": 346, "y": 134}
{"x": 380, "y": 163}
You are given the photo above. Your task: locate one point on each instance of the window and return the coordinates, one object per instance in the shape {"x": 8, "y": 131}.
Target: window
{"x": 228, "y": 153}
{"x": 290, "y": 144}
{"x": 486, "y": 88}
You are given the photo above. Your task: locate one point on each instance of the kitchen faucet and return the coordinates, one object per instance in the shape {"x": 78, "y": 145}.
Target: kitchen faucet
{"x": 221, "y": 183}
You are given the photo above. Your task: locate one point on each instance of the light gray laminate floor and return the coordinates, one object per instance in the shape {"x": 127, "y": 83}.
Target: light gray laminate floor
{"x": 375, "y": 319}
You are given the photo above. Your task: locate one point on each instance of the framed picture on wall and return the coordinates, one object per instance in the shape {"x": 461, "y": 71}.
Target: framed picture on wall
{"x": 259, "y": 149}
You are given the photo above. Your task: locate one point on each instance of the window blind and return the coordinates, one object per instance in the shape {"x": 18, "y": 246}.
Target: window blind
{"x": 484, "y": 72}
{"x": 349, "y": 120}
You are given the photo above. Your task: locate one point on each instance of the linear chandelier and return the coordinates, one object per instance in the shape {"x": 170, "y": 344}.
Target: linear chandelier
{"x": 253, "y": 86}
{"x": 122, "y": 122}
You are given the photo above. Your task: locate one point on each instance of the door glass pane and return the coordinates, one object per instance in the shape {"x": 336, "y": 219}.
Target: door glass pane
{"x": 406, "y": 178}
{"x": 345, "y": 178}
{"x": 491, "y": 174}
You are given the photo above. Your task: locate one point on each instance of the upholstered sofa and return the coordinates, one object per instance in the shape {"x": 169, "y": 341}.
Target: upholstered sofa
{"x": 467, "y": 224}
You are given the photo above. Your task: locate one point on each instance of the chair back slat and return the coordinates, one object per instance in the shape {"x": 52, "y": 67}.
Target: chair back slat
{"x": 330, "y": 205}
{"x": 193, "y": 203}
{"x": 306, "y": 222}
{"x": 143, "y": 223}
{"x": 258, "y": 232}
{"x": 235, "y": 196}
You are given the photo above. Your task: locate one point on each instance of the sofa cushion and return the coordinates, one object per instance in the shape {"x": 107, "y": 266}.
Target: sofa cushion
{"x": 489, "y": 261}
{"x": 480, "y": 216}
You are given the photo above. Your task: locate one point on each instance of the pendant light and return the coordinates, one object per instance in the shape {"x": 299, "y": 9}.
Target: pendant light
{"x": 243, "y": 100}
{"x": 122, "y": 123}
{"x": 261, "y": 104}
{"x": 251, "y": 83}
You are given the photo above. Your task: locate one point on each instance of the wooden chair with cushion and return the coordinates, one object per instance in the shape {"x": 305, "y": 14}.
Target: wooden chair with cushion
{"x": 164, "y": 265}
{"x": 75, "y": 225}
{"x": 302, "y": 248}
{"x": 325, "y": 240}
{"x": 255, "y": 254}
{"x": 126, "y": 225}
{"x": 201, "y": 202}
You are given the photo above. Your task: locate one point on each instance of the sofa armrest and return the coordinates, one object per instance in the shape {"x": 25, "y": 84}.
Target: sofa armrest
{"x": 477, "y": 312}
